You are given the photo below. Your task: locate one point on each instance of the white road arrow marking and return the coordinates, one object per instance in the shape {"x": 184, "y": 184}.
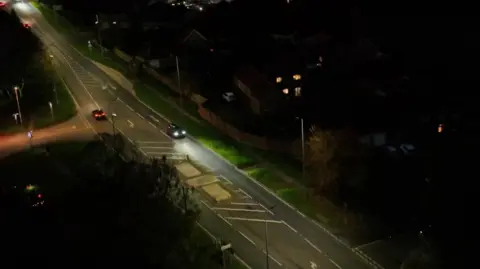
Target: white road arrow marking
{"x": 130, "y": 123}
{"x": 313, "y": 265}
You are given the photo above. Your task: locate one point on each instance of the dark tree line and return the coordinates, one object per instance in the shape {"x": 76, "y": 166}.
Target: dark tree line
{"x": 23, "y": 63}
{"x": 100, "y": 210}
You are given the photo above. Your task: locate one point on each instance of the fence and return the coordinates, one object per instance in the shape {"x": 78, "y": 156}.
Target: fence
{"x": 243, "y": 137}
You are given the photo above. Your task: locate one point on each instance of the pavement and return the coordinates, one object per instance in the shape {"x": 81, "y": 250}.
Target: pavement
{"x": 253, "y": 216}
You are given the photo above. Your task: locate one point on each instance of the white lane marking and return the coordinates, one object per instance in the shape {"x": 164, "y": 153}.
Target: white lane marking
{"x": 153, "y": 118}
{"x": 140, "y": 116}
{"x": 245, "y": 193}
{"x": 313, "y": 246}
{"x": 216, "y": 240}
{"x": 206, "y": 231}
{"x": 130, "y": 123}
{"x": 254, "y": 220}
{"x": 290, "y": 227}
{"x": 154, "y": 142}
{"x": 129, "y": 107}
{"x": 226, "y": 221}
{"x": 110, "y": 92}
{"x": 248, "y": 204}
{"x": 205, "y": 204}
{"x": 242, "y": 261}
{"x": 157, "y": 147}
{"x": 153, "y": 125}
{"x": 79, "y": 80}
{"x": 266, "y": 209}
{"x": 177, "y": 156}
{"x": 246, "y": 237}
{"x": 273, "y": 259}
{"x": 334, "y": 263}
{"x": 224, "y": 178}
{"x": 238, "y": 209}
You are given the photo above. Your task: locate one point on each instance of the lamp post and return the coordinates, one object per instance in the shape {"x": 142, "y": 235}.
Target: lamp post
{"x": 267, "y": 261}
{"x": 179, "y": 81}
{"x": 99, "y": 33}
{"x": 302, "y": 133}
{"x": 16, "y": 89}
{"x": 113, "y": 123}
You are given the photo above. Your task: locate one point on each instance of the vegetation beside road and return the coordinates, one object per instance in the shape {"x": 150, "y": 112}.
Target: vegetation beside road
{"x": 166, "y": 102}
{"x": 30, "y": 76}
{"x": 109, "y": 212}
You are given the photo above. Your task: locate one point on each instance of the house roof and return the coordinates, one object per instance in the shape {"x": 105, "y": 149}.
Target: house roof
{"x": 258, "y": 84}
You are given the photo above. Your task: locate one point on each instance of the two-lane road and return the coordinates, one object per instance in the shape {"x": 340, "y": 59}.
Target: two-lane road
{"x": 294, "y": 241}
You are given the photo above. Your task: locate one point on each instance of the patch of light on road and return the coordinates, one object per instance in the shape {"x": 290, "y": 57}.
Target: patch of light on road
{"x": 23, "y": 8}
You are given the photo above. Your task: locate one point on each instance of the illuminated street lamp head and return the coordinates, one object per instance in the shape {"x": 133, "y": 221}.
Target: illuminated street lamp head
{"x": 113, "y": 114}
{"x": 50, "y": 104}
{"x": 15, "y": 88}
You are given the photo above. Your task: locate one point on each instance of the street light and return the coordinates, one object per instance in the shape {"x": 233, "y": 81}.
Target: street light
{"x": 51, "y": 110}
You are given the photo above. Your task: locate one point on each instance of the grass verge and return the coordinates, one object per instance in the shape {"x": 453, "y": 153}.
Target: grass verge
{"x": 160, "y": 98}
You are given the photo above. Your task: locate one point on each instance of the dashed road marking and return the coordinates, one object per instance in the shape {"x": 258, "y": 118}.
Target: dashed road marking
{"x": 246, "y": 237}
{"x": 254, "y": 220}
{"x": 153, "y": 118}
{"x": 248, "y": 204}
{"x": 313, "y": 246}
{"x": 129, "y": 107}
{"x": 140, "y": 115}
{"x": 334, "y": 263}
{"x": 238, "y": 209}
{"x": 290, "y": 227}
{"x": 154, "y": 126}
{"x": 245, "y": 193}
{"x": 273, "y": 259}
{"x": 225, "y": 179}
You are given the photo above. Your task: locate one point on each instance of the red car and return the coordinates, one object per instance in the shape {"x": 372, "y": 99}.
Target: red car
{"x": 98, "y": 114}
{"x": 27, "y": 25}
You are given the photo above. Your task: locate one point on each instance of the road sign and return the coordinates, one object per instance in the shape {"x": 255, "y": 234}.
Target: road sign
{"x": 313, "y": 265}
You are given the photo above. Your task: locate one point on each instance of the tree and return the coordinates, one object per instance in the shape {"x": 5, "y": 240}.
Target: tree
{"x": 133, "y": 215}
{"x": 327, "y": 152}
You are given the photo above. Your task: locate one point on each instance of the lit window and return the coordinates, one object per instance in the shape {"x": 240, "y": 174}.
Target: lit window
{"x": 285, "y": 91}
{"x": 298, "y": 91}
{"x": 297, "y": 77}
{"x": 279, "y": 79}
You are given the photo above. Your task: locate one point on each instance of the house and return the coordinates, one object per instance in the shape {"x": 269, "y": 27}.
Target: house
{"x": 263, "y": 97}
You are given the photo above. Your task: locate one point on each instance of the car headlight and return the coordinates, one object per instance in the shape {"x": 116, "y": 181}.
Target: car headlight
{"x": 184, "y": 132}
{"x": 175, "y": 133}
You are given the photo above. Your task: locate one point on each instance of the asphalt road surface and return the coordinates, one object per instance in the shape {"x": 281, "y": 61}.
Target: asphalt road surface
{"x": 73, "y": 130}
{"x": 294, "y": 241}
